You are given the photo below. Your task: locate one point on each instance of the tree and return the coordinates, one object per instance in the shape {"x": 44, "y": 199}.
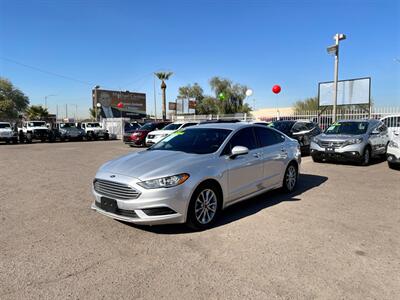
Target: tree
{"x": 36, "y": 112}
{"x": 93, "y": 113}
{"x": 230, "y": 94}
{"x": 207, "y": 106}
{"x": 12, "y": 100}
{"x": 163, "y": 76}
{"x": 309, "y": 104}
{"x": 191, "y": 91}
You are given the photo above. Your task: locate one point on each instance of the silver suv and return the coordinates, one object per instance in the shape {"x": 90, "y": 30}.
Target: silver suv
{"x": 353, "y": 140}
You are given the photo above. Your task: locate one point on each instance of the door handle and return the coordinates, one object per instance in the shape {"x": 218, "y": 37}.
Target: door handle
{"x": 283, "y": 150}
{"x": 258, "y": 155}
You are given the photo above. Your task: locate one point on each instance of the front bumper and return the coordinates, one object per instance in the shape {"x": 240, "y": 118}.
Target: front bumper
{"x": 150, "y": 142}
{"x": 175, "y": 199}
{"x": 133, "y": 141}
{"x": 348, "y": 153}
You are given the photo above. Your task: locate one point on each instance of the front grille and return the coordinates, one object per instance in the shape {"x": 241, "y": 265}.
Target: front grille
{"x": 121, "y": 212}
{"x": 335, "y": 144}
{"x": 115, "y": 190}
{"x": 40, "y": 131}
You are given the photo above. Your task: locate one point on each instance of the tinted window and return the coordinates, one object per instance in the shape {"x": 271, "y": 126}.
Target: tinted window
{"x": 5, "y": 125}
{"x": 299, "y": 126}
{"x": 148, "y": 126}
{"x": 310, "y": 126}
{"x": 172, "y": 126}
{"x": 193, "y": 140}
{"x": 244, "y": 137}
{"x": 268, "y": 137}
{"x": 392, "y": 122}
{"x": 283, "y": 126}
{"x": 188, "y": 124}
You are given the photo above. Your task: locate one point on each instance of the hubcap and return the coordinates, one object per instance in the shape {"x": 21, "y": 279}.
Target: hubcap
{"x": 205, "y": 206}
{"x": 291, "y": 177}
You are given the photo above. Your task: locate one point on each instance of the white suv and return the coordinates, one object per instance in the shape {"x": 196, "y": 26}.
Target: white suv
{"x": 393, "y": 152}
{"x": 157, "y": 135}
{"x": 393, "y": 124}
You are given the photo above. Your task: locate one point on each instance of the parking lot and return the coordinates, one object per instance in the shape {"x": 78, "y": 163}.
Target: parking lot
{"x": 336, "y": 237}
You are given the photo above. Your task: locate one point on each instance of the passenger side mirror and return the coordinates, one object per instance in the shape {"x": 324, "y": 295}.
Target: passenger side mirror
{"x": 238, "y": 150}
{"x": 375, "y": 131}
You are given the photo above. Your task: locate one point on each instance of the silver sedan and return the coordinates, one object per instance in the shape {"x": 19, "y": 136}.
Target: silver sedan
{"x": 193, "y": 174}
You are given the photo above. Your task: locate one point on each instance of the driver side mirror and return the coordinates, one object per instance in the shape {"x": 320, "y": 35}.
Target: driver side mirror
{"x": 238, "y": 150}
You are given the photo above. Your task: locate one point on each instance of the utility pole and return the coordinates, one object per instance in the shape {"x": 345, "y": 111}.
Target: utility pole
{"x": 155, "y": 97}
{"x": 66, "y": 111}
{"x": 335, "y": 50}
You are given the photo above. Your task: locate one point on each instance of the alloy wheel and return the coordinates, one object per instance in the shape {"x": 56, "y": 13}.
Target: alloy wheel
{"x": 205, "y": 206}
{"x": 291, "y": 177}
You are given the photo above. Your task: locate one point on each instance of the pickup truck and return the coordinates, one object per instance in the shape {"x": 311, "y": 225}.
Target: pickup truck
{"x": 35, "y": 130}
{"x": 94, "y": 131}
{"x": 69, "y": 131}
{"x": 7, "y": 134}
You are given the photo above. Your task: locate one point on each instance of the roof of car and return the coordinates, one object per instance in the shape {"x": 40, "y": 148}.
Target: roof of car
{"x": 359, "y": 120}
{"x": 231, "y": 126}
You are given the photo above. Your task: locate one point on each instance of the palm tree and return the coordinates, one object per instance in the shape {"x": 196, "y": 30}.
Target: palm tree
{"x": 36, "y": 112}
{"x": 163, "y": 76}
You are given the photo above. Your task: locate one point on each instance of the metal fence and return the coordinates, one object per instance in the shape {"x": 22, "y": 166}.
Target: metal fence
{"x": 323, "y": 118}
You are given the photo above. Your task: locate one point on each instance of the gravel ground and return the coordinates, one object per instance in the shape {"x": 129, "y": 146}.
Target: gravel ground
{"x": 337, "y": 237}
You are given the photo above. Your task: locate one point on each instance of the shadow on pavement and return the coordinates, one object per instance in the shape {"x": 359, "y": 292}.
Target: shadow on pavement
{"x": 245, "y": 208}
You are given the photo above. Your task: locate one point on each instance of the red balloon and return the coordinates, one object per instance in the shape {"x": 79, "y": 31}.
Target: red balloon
{"x": 276, "y": 89}
{"x": 120, "y": 105}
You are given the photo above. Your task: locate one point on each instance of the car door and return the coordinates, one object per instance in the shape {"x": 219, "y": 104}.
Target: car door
{"x": 245, "y": 172}
{"x": 274, "y": 155}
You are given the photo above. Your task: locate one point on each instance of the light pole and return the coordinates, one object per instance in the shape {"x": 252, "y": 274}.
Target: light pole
{"x": 45, "y": 99}
{"x": 335, "y": 50}
{"x": 98, "y": 106}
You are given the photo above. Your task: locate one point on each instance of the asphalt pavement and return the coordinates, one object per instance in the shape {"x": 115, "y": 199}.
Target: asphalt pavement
{"x": 336, "y": 237}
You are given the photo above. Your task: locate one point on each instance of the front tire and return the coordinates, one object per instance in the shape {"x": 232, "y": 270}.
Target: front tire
{"x": 290, "y": 178}
{"x": 29, "y": 138}
{"x": 204, "y": 207}
{"x": 366, "y": 158}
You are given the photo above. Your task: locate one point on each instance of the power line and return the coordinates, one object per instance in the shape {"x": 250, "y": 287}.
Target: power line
{"x": 47, "y": 72}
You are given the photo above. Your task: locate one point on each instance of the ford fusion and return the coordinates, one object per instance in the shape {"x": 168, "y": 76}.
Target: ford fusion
{"x": 193, "y": 174}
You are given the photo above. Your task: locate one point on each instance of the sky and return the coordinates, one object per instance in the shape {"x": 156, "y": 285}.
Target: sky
{"x": 64, "y": 48}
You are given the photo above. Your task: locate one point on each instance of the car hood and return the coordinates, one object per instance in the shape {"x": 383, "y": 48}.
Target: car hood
{"x": 150, "y": 164}
{"x": 337, "y": 137}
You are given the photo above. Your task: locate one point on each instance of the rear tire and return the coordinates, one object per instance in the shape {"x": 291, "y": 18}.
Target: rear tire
{"x": 204, "y": 207}
{"x": 393, "y": 166}
{"x": 290, "y": 179}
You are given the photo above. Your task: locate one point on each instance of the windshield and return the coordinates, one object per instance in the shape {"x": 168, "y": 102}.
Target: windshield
{"x": 131, "y": 126}
{"x": 172, "y": 126}
{"x": 93, "y": 125}
{"x": 67, "y": 125}
{"x": 37, "y": 124}
{"x": 5, "y": 125}
{"x": 199, "y": 140}
{"x": 148, "y": 126}
{"x": 348, "y": 128}
{"x": 284, "y": 127}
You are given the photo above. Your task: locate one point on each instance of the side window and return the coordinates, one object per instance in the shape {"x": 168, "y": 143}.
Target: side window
{"x": 299, "y": 126}
{"x": 244, "y": 137}
{"x": 268, "y": 137}
{"x": 188, "y": 124}
{"x": 160, "y": 125}
{"x": 310, "y": 126}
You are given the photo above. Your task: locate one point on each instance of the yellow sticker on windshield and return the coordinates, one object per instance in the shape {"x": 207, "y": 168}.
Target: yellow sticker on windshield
{"x": 179, "y": 132}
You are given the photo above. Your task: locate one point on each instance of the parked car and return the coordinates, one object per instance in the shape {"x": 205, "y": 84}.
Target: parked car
{"x": 94, "y": 131}
{"x": 35, "y": 130}
{"x": 194, "y": 173}
{"x": 393, "y": 124}
{"x": 138, "y": 137}
{"x": 352, "y": 140}
{"x": 393, "y": 152}
{"x": 69, "y": 131}
{"x": 303, "y": 131}
{"x": 157, "y": 135}
{"x": 130, "y": 127}
{"x": 7, "y": 134}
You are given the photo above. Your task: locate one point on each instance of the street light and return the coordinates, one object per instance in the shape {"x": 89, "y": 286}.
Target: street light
{"x": 334, "y": 50}
{"x": 98, "y": 106}
{"x": 249, "y": 92}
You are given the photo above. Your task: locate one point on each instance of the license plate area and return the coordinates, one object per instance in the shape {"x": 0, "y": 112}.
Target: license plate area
{"x": 109, "y": 205}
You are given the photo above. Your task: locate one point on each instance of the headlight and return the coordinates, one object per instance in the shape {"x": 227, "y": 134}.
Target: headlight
{"x": 165, "y": 182}
{"x": 354, "y": 141}
{"x": 137, "y": 134}
{"x": 315, "y": 140}
{"x": 393, "y": 144}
